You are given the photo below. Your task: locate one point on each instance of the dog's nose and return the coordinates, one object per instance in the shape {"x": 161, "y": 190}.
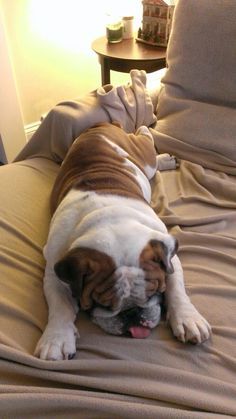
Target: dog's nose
{"x": 132, "y": 315}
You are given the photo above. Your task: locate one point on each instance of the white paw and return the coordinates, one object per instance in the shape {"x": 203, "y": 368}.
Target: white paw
{"x": 166, "y": 162}
{"x": 57, "y": 343}
{"x": 187, "y": 324}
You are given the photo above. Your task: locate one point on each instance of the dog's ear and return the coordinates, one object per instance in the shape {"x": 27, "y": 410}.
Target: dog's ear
{"x": 160, "y": 252}
{"x": 83, "y": 269}
{"x": 72, "y": 270}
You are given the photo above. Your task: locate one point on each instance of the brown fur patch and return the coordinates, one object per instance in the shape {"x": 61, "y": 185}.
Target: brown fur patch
{"x": 89, "y": 274}
{"x": 92, "y": 164}
{"x": 151, "y": 261}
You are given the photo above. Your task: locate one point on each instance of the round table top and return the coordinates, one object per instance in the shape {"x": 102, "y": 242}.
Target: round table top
{"x": 127, "y": 49}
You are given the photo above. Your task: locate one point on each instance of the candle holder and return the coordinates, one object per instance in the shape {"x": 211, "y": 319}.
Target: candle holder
{"x": 114, "y": 30}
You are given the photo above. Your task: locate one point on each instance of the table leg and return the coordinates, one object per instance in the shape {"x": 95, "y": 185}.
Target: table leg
{"x": 105, "y": 70}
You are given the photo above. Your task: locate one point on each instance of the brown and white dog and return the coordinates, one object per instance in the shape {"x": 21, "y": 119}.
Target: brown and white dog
{"x": 107, "y": 251}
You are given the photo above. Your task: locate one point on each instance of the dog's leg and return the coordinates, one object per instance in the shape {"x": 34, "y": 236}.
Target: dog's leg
{"x": 163, "y": 161}
{"x": 186, "y": 322}
{"x": 59, "y": 338}
{"x": 143, "y": 130}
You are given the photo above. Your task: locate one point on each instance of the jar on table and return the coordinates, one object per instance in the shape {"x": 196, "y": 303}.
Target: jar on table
{"x": 128, "y": 27}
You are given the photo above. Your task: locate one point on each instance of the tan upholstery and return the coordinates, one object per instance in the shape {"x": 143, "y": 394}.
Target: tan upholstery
{"x": 197, "y": 106}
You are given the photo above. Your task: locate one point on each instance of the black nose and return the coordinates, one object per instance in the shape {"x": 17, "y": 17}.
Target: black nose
{"x": 131, "y": 317}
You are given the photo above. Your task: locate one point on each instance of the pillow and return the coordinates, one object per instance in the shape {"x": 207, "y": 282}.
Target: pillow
{"x": 196, "y": 109}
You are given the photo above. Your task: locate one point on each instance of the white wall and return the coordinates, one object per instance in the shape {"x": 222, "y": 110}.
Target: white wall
{"x": 50, "y": 46}
{"x": 12, "y": 134}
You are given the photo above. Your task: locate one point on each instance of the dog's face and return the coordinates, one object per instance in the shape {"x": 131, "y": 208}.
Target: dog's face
{"x": 121, "y": 300}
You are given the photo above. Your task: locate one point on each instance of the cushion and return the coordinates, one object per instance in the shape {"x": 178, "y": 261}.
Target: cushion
{"x": 24, "y": 221}
{"x": 196, "y": 108}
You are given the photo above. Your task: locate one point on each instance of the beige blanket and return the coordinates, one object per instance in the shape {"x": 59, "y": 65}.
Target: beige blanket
{"x": 120, "y": 377}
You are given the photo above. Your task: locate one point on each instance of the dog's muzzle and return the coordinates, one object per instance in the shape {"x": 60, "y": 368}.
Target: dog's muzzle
{"x": 131, "y": 320}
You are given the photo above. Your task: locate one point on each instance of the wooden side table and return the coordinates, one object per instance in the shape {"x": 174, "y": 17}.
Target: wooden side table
{"x": 127, "y": 55}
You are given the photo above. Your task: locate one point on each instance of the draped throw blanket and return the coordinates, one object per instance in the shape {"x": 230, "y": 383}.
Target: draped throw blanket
{"x": 131, "y": 105}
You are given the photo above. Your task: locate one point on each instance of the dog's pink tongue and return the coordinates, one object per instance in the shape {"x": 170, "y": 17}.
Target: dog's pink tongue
{"x": 139, "y": 332}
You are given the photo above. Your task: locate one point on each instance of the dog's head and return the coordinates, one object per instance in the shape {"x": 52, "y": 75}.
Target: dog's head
{"x": 124, "y": 299}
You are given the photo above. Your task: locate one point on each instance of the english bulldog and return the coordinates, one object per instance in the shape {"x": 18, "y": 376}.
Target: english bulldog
{"x": 107, "y": 251}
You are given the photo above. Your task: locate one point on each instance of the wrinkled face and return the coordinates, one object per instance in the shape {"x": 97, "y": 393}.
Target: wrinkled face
{"x": 123, "y": 300}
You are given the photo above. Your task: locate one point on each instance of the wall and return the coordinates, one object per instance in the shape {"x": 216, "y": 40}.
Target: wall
{"x": 50, "y": 48}
{"x": 12, "y": 135}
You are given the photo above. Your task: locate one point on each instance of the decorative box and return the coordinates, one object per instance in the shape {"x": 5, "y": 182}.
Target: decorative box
{"x": 156, "y": 23}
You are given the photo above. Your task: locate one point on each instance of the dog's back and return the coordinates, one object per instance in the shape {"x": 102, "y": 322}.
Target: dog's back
{"x": 107, "y": 160}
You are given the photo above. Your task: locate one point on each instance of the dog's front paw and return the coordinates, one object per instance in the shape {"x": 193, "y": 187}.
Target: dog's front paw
{"x": 187, "y": 324}
{"x": 57, "y": 343}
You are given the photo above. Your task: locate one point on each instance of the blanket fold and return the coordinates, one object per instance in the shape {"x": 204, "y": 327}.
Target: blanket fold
{"x": 131, "y": 105}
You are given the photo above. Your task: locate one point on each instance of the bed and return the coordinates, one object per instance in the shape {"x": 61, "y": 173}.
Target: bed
{"x": 192, "y": 114}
